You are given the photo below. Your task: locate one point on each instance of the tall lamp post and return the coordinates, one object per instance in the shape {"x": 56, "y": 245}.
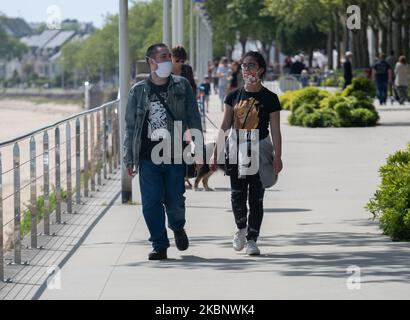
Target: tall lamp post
{"x": 124, "y": 63}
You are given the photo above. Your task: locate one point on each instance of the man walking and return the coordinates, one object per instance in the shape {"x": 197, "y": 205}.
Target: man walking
{"x": 382, "y": 74}
{"x": 156, "y": 108}
{"x": 347, "y": 69}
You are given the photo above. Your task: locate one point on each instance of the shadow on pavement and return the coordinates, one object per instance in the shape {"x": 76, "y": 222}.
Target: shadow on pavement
{"x": 317, "y": 254}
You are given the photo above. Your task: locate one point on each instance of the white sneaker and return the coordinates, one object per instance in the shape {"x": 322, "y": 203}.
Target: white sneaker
{"x": 239, "y": 239}
{"x": 252, "y": 248}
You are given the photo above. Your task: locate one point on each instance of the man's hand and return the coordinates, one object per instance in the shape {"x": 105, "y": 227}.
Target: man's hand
{"x": 130, "y": 170}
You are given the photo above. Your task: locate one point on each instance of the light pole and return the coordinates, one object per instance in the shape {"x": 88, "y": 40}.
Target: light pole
{"x": 166, "y": 25}
{"x": 87, "y": 87}
{"x": 181, "y": 22}
{"x": 191, "y": 34}
{"x": 197, "y": 62}
{"x": 174, "y": 23}
{"x": 124, "y": 63}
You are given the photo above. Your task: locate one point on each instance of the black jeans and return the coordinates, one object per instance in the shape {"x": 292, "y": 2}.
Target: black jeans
{"x": 239, "y": 198}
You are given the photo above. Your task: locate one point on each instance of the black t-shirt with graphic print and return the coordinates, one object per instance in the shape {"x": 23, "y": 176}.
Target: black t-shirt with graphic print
{"x": 252, "y": 109}
{"x": 157, "y": 119}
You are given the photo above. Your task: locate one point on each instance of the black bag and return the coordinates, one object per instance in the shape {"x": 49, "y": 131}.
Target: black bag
{"x": 190, "y": 169}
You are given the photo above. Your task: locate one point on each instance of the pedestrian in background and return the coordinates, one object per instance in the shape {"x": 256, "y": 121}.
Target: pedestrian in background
{"x": 382, "y": 74}
{"x": 347, "y": 69}
{"x": 223, "y": 73}
{"x": 401, "y": 81}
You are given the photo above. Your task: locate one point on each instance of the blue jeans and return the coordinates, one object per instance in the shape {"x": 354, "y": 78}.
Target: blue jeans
{"x": 382, "y": 90}
{"x": 162, "y": 191}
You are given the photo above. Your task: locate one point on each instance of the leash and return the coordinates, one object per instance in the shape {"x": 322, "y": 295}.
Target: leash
{"x": 211, "y": 122}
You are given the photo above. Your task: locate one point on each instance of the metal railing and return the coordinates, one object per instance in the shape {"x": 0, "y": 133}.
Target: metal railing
{"x": 96, "y": 154}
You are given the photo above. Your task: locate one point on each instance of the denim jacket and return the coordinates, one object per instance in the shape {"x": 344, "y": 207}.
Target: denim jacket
{"x": 181, "y": 101}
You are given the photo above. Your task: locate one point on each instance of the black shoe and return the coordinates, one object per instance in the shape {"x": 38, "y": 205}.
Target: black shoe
{"x": 158, "y": 254}
{"x": 181, "y": 240}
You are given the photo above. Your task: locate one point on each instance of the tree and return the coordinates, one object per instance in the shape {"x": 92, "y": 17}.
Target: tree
{"x": 98, "y": 54}
{"x": 303, "y": 29}
{"x": 10, "y": 47}
{"x": 224, "y": 32}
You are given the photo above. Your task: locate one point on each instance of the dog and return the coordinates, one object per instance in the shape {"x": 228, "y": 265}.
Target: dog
{"x": 205, "y": 172}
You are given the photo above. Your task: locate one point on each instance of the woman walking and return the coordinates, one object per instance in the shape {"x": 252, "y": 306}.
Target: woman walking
{"x": 401, "y": 81}
{"x": 253, "y": 108}
{"x": 223, "y": 73}
{"x": 180, "y": 68}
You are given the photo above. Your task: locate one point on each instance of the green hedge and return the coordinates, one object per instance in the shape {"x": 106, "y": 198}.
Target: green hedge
{"x": 334, "y": 81}
{"x": 313, "y": 107}
{"x": 391, "y": 202}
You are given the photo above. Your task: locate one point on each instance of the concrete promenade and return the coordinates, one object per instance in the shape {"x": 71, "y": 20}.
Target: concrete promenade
{"x": 315, "y": 228}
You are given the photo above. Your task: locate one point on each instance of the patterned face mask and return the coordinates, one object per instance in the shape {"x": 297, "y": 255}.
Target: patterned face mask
{"x": 251, "y": 77}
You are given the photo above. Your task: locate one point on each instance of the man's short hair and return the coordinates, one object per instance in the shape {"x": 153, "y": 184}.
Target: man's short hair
{"x": 152, "y": 50}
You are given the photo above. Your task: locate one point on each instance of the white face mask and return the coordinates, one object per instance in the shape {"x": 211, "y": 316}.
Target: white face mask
{"x": 164, "y": 69}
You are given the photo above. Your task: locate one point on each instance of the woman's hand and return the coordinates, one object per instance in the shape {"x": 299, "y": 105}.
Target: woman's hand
{"x": 213, "y": 163}
{"x": 277, "y": 165}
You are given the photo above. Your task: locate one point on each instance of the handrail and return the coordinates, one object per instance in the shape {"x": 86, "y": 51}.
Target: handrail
{"x": 38, "y": 131}
{"x": 91, "y": 153}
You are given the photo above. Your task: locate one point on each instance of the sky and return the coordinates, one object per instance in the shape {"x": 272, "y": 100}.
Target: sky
{"x": 82, "y": 10}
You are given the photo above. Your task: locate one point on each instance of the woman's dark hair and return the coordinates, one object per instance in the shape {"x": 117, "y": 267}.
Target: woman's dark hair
{"x": 179, "y": 52}
{"x": 402, "y": 60}
{"x": 259, "y": 59}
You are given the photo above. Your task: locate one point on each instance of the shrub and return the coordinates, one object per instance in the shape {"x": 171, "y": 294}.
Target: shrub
{"x": 360, "y": 95}
{"x": 364, "y": 104}
{"x": 332, "y": 100}
{"x": 364, "y": 84}
{"x": 297, "y": 117}
{"x": 361, "y": 88}
{"x": 286, "y": 99}
{"x": 344, "y": 114}
{"x": 391, "y": 202}
{"x": 364, "y": 118}
{"x": 319, "y": 108}
{"x": 320, "y": 118}
{"x": 308, "y": 95}
{"x": 334, "y": 81}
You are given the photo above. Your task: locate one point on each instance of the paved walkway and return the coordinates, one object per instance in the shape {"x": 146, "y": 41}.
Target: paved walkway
{"x": 315, "y": 227}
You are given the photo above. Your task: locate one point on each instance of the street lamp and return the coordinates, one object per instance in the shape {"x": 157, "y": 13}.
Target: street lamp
{"x": 87, "y": 87}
